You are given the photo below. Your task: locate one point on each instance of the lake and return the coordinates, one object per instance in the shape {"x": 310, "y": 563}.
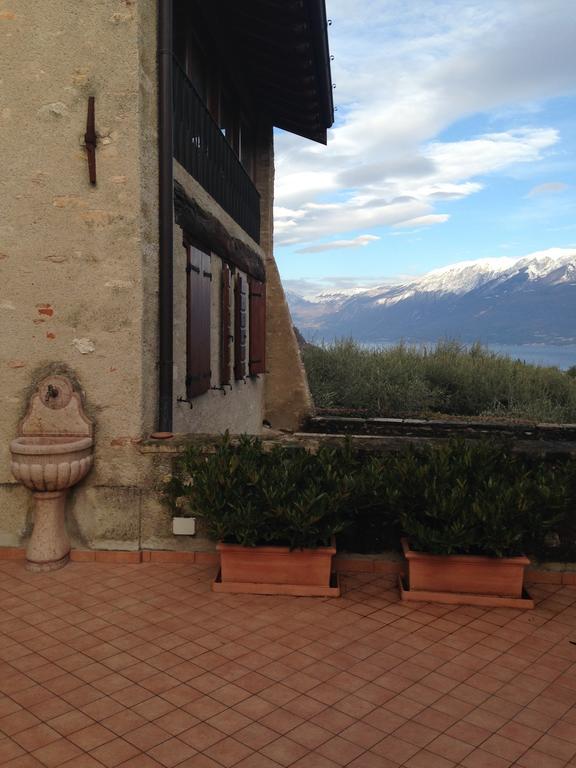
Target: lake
{"x": 539, "y": 354}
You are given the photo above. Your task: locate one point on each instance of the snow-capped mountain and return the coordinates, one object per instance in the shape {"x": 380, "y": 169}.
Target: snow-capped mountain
{"x": 524, "y": 300}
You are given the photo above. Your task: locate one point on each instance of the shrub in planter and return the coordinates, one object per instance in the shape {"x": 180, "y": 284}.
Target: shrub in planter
{"x": 470, "y": 512}
{"x": 284, "y": 500}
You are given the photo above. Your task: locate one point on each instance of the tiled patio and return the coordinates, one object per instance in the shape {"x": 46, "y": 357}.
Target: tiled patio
{"x": 141, "y": 665}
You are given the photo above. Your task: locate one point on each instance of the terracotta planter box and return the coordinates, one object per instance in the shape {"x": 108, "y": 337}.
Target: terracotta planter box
{"x": 465, "y": 579}
{"x": 276, "y": 571}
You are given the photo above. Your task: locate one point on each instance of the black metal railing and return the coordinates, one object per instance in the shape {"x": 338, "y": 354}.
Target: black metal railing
{"x": 201, "y": 148}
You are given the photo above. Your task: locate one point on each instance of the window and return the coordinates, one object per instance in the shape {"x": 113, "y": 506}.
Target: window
{"x": 257, "y": 319}
{"x": 240, "y": 335}
{"x": 199, "y": 294}
{"x": 225, "y": 327}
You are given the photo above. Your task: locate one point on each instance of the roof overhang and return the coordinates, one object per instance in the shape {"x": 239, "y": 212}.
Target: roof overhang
{"x": 281, "y": 49}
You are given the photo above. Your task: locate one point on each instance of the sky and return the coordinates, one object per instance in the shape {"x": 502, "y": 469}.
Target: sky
{"x": 454, "y": 139}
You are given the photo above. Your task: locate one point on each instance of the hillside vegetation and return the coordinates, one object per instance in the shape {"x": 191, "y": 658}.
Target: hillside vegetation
{"x": 446, "y": 379}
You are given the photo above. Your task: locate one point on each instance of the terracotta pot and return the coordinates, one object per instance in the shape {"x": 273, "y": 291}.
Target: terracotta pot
{"x": 465, "y": 574}
{"x": 276, "y": 570}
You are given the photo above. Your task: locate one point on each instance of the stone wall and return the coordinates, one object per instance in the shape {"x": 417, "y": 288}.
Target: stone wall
{"x": 287, "y": 397}
{"x": 78, "y": 263}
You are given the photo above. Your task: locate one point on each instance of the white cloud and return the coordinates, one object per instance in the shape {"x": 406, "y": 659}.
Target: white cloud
{"x": 393, "y": 201}
{"x": 404, "y": 73}
{"x": 425, "y": 221}
{"x": 547, "y": 188}
{"x": 361, "y": 240}
{"x": 490, "y": 153}
{"x": 310, "y": 288}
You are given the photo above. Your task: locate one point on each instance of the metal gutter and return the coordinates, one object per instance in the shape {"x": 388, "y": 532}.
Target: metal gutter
{"x": 166, "y": 234}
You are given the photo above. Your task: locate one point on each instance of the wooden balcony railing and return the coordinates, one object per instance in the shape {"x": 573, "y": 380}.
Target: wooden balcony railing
{"x": 201, "y": 148}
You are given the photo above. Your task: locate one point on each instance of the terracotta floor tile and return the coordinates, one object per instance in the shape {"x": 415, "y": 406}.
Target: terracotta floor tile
{"x": 415, "y": 733}
{"x": 17, "y": 721}
{"x": 176, "y": 721}
{"x": 404, "y": 707}
{"x": 102, "y": 708}
{"x": 315, "y": 760}
{"x": 83, "y": 761}
{"x": 49, "y": 708}
{"x": 57, "y": 752}
{"x": 124, "y": 721}
{"x": 504, "y": 747}
{"x": 70, "y": 722}
{"x": 557, "y": 747}
{"x": 354, "y": 706}
{"x": 304, "y": 706}
{"x": 30, "y": 696}
{"x": 256, "y": 735}
{"x": 340, "y": 751}
{"x": 565, "y": 729}
{"x": 482, "y": 759}
{"x": 172, "y": 752}
{"x": 333, "y": 720}
{"x": 489, "y": 721}
{"x": 204, "y": 707}
{"x": 310, "y": 735}
{"x": 132, "y": 695}
{"x": 468, "y": 733}
{"x": 433, "y": 718}
{"x": 254, "y": 707}
{"x": 147, "y": 736}
{"x": 139, "y": 671}
{"x": 36, "y": 737}
{"x": 282, "y": 721}
{"x": 91, "y": 737}
{"x": 426, "y": 759}
{"x": 257, "y": 760}
{"x": 535, "y": 759}
{"x": 8, "y": 706}
{"x": 159, "y": 683}
{"x": 114, "y": 752}
{"x": 372, "y": 760}
{"x": 23, "y": 761}
{"x": 197, "y": 761}
{"x": 85, "y": 694}
{"x": 202, "y": 736}
{"x": 9, "y": 750}
{"x": 395, "y": 749}
{"x": 228, "y": 751}
{"x": 65, "y": 683}
{"x": 450, "y": 747}
{"x": 182, "y": 695}
{"x": 284, "y": 751}
{"x": 229, "y": 721}
{"x": 523, "y": 734}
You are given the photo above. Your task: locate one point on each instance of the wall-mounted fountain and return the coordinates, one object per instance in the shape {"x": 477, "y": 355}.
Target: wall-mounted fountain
{"x": 52, "y": 453}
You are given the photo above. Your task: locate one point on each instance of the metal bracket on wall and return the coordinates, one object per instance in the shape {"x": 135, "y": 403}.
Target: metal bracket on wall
{"x": 91, "y": 140}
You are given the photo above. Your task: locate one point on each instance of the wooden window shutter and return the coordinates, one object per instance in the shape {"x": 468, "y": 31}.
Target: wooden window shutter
{"x": 257, "y": 360}
{"x": 199, "y": 294}
{"x": 240, "y": 330}
{"x": 225, "y": 327}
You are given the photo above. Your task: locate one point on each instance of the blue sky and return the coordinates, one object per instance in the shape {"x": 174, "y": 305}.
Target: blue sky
{"x": 455, "y": 139}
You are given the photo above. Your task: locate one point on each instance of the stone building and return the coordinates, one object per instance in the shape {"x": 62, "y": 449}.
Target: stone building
{"x": 136, "y": 231}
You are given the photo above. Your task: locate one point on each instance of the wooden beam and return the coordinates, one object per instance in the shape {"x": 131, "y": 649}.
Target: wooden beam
{"x": 207, "y": 231}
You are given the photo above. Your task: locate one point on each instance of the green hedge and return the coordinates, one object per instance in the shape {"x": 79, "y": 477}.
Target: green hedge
{"x": 448, "y": 379}
{"x": 449, "y": 497}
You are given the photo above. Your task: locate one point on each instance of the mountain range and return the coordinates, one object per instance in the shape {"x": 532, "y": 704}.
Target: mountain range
{"x": 528, "y": 300}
